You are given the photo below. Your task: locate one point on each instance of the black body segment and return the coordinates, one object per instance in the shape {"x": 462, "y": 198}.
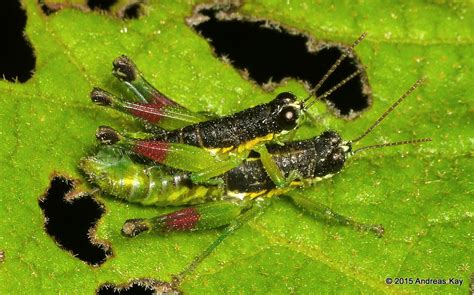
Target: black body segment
{"x": 317, "y": 157}
{"x": 231, "y": 131}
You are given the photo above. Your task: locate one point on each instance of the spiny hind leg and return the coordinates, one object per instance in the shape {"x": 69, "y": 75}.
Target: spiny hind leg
{"x": 199, "y": 161}
{"x": 200, "y": 217}
{"x": 232, "y": 214}
{"x": 325, "y": 213}
{"x": 257, "y": 208}
{"x": 128, "y": 73}
{"x": 146, "y": 103}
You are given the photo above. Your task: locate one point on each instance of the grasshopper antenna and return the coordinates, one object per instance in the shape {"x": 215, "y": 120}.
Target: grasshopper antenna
{"x": 381, "y": 118}
{"x": 331, "y": 70}
{"x": 390, "y": 109}
{"x": 413, "y": 141}
{"x": 334, "y": 88}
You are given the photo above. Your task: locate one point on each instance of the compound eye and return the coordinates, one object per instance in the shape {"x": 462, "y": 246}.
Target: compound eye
{"x": 285, "y": 98}
{"x": 287, "y": 118}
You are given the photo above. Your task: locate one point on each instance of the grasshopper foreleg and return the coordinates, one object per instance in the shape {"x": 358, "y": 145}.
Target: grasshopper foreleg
{"x": 272, "y": 169}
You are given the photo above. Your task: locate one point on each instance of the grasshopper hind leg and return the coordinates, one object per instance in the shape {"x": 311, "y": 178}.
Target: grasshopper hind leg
{"x": 153, "y": 108}
{"x": 194, "y": 218}
{"x": 256, "y": 209}
{"x": 128, "y": 73}
{"x": 231, "y": 214}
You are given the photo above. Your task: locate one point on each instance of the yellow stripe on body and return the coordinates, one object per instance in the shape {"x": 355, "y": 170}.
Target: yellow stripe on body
{"x": 246, "y": 146}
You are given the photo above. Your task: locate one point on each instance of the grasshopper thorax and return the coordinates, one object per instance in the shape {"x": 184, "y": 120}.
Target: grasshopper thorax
{"x": 287, "y": 110}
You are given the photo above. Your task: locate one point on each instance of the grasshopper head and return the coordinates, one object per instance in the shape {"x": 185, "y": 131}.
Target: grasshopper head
{"x": 286, "y": 111}
{"x": 331, "y": 152}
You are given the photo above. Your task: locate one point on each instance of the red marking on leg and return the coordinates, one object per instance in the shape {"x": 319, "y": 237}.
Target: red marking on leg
{"x": 151, "y": 112}
{"x": 182, "y": 220}
{"x": 162, "y": 100}
{"x": 154, "y": 150}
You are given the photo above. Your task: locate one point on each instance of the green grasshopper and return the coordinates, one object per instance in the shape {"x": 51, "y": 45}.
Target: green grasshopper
{"x": 202, "y": 144}
{"x": 237, "y": 195}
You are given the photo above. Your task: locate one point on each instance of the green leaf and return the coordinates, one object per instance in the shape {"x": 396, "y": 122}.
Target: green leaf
{"x": 422, "y": 195}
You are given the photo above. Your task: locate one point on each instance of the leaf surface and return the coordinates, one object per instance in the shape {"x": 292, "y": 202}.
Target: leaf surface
{"x": 422, "y": 195}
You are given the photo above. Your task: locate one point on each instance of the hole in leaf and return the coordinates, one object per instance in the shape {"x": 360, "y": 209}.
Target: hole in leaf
{"x": 101, "y": 4}
{"x": 47, "y": 9}
{"x": 71, "y": 222}
{"x": 132, "y": 11}
{"x": 270, "y": 52}
{"x": 17, "y": 60}
{"x": 141, "y": 286}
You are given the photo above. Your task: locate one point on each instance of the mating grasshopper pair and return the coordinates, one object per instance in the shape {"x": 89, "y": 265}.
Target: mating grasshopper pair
{"x": 227, "y": 168}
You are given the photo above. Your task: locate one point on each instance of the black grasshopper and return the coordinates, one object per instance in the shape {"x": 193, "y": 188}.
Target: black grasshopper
{"x": 223, "y": 143}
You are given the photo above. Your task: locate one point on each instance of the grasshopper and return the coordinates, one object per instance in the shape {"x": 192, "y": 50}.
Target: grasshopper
{"x": 236, "y": 196}
{"x": 196, "y": 142}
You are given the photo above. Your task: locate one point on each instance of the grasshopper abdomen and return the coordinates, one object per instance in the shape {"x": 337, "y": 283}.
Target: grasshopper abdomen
{"x": 116, "y": 174}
